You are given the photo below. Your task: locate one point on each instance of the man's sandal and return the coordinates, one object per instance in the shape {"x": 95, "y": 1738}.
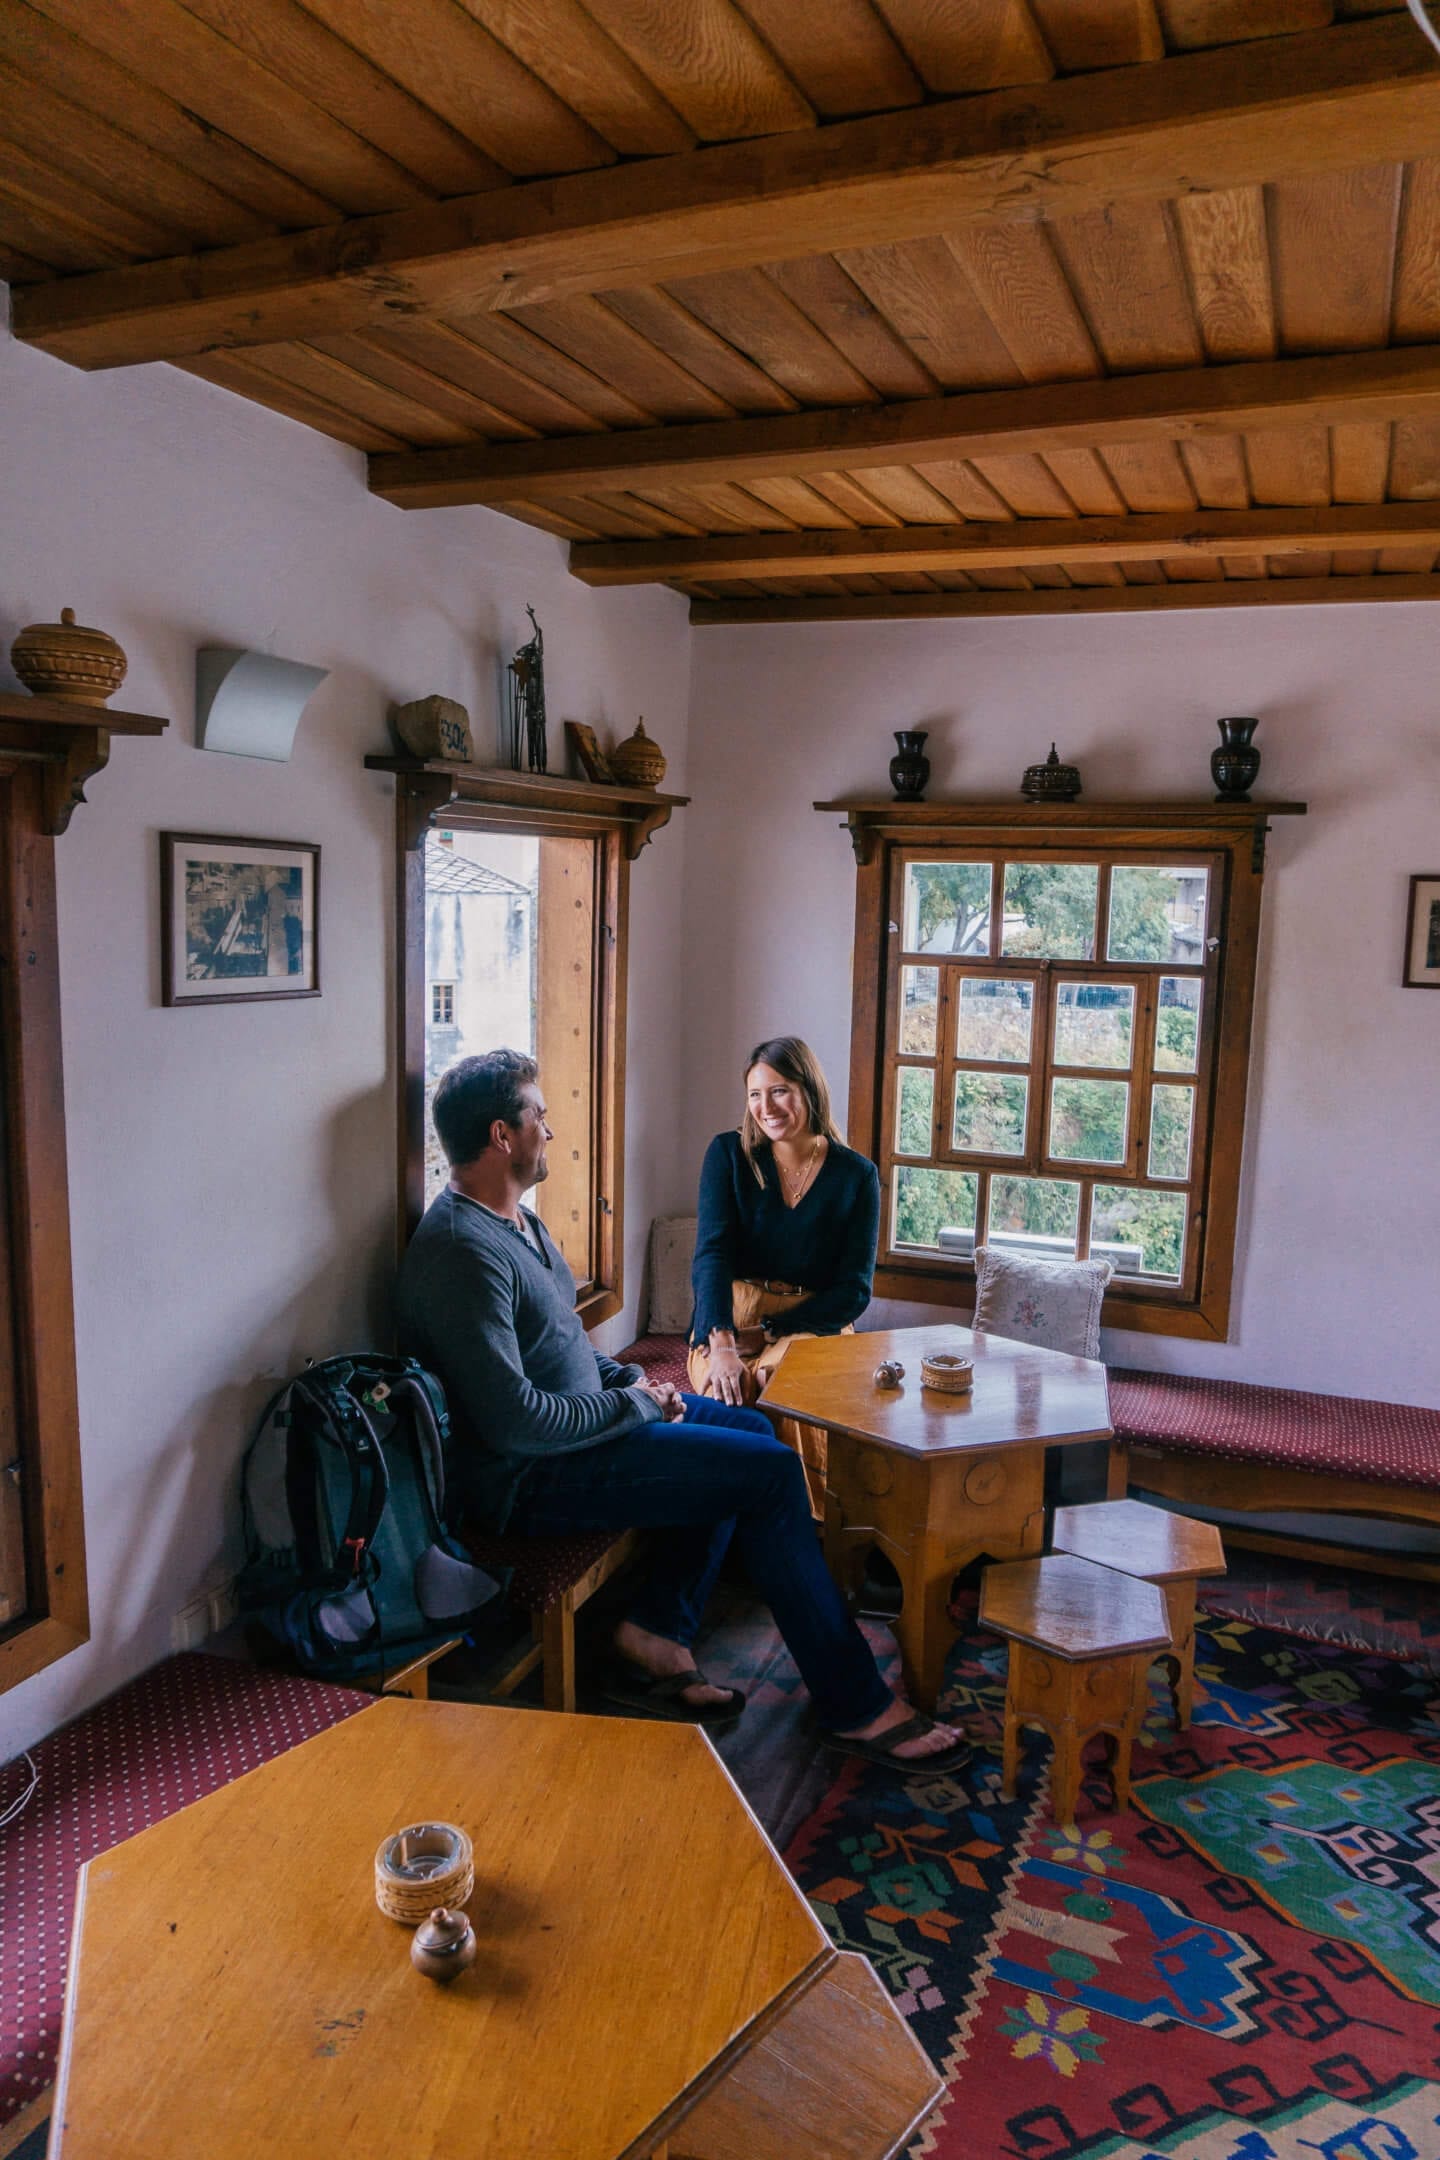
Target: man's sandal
{"x": 882, "y": 1749}
{"x": 662, "y": 1695}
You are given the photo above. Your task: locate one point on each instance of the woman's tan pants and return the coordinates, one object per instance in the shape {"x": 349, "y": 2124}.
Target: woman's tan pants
{"x": 752, "y": 1305}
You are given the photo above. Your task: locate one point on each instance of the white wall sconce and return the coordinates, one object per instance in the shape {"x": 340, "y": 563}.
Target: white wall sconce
{"x": 249, "y": 703}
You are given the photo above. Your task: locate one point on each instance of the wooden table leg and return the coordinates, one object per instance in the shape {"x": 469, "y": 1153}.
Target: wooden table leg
{"x": 1180, "y": 1611}
{"x": 1065, "y": 1765}
{"x": 932, "y": 1515}
{"x": 923, "y": 1627}
{"x": 1010, "y": 1737}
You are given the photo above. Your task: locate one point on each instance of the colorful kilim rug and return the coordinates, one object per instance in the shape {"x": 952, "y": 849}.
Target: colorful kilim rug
{"x": 1345, "y": 1605}
{"x": 1244, "y": 1966}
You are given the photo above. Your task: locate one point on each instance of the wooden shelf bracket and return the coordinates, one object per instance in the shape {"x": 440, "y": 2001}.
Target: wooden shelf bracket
{"x": 71, "y": 741}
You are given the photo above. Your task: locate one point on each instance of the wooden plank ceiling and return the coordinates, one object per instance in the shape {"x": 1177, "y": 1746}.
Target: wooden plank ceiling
{"x": 863, "y": 307}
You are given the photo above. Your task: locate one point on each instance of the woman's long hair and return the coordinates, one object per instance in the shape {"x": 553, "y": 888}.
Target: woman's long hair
{"x": 796, "y": 1062}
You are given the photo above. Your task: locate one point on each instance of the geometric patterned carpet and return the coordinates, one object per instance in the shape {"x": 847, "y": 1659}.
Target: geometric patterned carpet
{"x": 1348, "y": 1606}
{"x": 1244, "y": 1966}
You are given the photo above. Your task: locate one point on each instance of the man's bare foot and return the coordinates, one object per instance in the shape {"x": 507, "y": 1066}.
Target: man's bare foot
{"x": 657, "y": 1654}
{"x": 896, "y": 1713}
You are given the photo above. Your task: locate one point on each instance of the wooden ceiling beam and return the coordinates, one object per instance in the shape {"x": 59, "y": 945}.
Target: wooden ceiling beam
{"x": 1019, "y": 543}
{"x": 1402, "y": 382}
{"x": 1355, "y": 94}
{"x": 1073, "y": 600}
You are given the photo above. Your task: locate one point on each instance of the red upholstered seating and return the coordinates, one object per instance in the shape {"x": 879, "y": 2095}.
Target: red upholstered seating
{"x": 663, "y": 1357}
{"x": 1330, "y": 1435}
{"x": 183, "y": 1729}
{"x": 542, "y": 1569}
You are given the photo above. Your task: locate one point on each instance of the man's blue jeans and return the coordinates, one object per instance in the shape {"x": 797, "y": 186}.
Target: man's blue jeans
{"x": 718, "y": 1474}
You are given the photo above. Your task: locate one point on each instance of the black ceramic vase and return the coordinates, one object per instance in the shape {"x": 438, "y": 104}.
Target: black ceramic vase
{"x": 1234, "y": 766}
{"x": 909, "y": 768}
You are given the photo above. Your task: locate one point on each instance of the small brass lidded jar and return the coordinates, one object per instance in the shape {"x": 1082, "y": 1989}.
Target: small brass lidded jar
{"x": 444, "y": 1945}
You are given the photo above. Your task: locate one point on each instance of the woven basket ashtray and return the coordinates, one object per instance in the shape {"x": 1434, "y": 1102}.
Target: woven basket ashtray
{"x": 951, "y": 1375}
{"x": 425, "y": 1865}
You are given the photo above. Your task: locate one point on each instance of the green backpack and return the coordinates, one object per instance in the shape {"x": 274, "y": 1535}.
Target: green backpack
{"x": 348, "y": 1561}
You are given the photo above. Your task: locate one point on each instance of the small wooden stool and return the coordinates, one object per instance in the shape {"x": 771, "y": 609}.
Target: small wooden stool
{"x": 1081, "y": 1641}
{"x": 1150, "y": 1542}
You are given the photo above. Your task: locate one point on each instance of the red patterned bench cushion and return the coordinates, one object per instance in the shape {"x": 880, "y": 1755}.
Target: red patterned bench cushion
{"x": 542, "y": 1569}
{"x": 1336, "y": 1435}
{"x": 663, "y": 1357}
{"x": 183, "y": 1729}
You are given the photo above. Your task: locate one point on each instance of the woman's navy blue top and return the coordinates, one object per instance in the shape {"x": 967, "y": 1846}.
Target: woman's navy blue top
{"x": 826, "y": 1245}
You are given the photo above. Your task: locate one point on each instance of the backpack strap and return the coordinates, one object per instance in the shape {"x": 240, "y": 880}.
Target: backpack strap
{"x": 342, "y": 1420}
{"x": 415, "y": 1392}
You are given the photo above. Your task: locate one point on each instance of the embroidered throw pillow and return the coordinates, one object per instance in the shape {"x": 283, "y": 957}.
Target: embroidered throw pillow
{"x": 1052, "y": 1303}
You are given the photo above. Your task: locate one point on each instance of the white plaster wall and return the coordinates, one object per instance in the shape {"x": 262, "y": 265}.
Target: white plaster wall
{"x": 1338, "y": 1259}
{"x": 232, "y": 1170}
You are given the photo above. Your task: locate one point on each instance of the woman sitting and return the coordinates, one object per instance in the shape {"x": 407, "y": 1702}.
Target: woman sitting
{"x": 789, "y": 1218}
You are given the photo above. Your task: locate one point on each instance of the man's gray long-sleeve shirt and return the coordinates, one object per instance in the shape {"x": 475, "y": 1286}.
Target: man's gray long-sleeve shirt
{"x": 495, "y": 1321}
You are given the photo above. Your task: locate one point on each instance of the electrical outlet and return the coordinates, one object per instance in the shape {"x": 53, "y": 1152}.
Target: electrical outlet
{"x": 191, "y": 1625}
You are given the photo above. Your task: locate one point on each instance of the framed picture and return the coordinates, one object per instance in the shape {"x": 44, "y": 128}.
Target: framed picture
{"x": 238, "y": 919}
{"x": 1422, "y": 933}
{"x": 593, "y": 761}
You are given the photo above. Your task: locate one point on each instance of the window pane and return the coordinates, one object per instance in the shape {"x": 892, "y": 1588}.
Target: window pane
{"x": 1088, "y": 1120}
{"x": 947, "y": 907}
{"x": 1050, "y": 910}
{"x": 481, "y": 937}
{"x": 936, "y": 1209}
{"x": 1035, "y": 1215}
{"x": 1177, "y": 1024}
{"x": 1094, "y": 1023}
{"x": 915, "y": 1110}
{"x": 994, "y": 1019}
{"x": 1139, "y": 1232}
{"x": 990, "y": 1113}
{"x": 919, "y": 1005}
{"x": 1157, "y": 914}
{"x": 509, "y": 961}
{"x": 1172, "y": 1114}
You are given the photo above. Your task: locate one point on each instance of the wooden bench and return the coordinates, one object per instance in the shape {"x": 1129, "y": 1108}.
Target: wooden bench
{"x": 1261, "y": 1450}
{"x": 551, "y": 1578}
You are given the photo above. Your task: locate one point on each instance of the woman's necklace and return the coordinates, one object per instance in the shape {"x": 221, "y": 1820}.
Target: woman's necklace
{"x": 795, "y": 1182}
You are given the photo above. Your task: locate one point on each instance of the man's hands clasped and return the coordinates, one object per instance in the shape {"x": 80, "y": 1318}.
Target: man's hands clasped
{"x": 672, "y": 1405}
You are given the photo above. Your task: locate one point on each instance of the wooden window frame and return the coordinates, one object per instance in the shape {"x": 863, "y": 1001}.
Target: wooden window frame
{"x": 884, "y": 834}
{"x": 45, "y": 1441}
{"x": 432, "y": 794}
{"x": 50, "y": 747}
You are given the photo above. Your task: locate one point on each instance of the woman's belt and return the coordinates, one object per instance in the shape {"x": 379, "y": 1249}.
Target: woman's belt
{"x": 775, "y": 1289}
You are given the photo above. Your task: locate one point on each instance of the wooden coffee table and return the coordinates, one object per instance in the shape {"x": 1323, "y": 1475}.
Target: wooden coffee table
{"x": 935, "y": 1481}
{"x": 643, "y": 1960}
{"x": 1171, "y": 1550}
{"x": 1081, "y": 1639}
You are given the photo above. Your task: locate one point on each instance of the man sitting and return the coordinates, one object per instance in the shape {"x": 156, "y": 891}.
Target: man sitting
{"x": 551, "y": 1439}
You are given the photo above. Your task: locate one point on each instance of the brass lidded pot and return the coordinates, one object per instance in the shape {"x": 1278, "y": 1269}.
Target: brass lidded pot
{"x": 68, "y": 660}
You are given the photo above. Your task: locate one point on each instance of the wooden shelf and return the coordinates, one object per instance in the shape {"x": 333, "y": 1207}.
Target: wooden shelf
{"x": 496, "y": 796}
{"x": 72, "y": 740}
{"x": 872, "y": 819}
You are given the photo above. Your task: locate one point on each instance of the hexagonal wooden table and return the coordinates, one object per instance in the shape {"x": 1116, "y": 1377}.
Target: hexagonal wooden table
{"x": 644, "y": 1960}
{"x": 1081, "y": 1640}
{"x": 1171, "y": 1550}
{"x": 934, "y": 1480}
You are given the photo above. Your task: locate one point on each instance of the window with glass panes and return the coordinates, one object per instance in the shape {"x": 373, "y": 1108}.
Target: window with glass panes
{"x": 1048, "y": 1057}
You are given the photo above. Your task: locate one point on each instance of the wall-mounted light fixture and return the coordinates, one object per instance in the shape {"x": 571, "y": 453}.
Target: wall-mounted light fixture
{"x": 249, "y": 703}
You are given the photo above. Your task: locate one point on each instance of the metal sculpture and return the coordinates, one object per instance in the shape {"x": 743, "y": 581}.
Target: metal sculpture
{"x": 525, "y": 703}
